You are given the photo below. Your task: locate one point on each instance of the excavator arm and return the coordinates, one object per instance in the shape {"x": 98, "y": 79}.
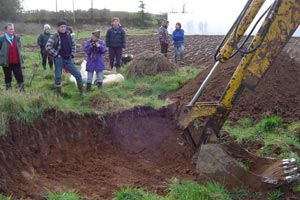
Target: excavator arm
{"x": 281, "y": 21}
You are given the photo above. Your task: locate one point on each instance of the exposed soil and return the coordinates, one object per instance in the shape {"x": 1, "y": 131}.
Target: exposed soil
{"x": 199, "y": 50}
{"x": 139, "y": 147}
{"x": 277, "y": 94}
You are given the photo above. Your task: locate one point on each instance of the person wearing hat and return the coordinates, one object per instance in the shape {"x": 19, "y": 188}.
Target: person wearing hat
{"x": 116, "y": 42}
{"x": 164, "y": 37}
{"x": 11, "y": 58}
{"x": 42, "y": 41}
{"x": 94, "y": 48}
{"x": 62, "y": 47}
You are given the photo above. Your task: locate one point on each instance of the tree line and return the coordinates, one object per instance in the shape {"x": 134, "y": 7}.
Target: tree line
{"x": 11, "y": 10}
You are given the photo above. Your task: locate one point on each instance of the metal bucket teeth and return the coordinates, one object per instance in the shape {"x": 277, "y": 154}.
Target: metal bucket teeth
{"x": 291, "y": 171}
{"x": 288, "y": 161}
{"x": 293, "y": 178}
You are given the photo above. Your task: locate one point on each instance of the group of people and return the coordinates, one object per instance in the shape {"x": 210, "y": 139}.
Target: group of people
{"x": 59, "y": 49}
{"x": 178, "y": 41}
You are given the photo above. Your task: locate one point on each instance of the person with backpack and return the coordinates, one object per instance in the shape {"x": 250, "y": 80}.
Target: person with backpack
{"x": 62, "y": 47}
{"x": 42, "y": 41}
{"x": 94, "y": 48}
{"x": 11, "y": 59}
{"x": 178, "y": 42}
{"x": 116, "y": 42}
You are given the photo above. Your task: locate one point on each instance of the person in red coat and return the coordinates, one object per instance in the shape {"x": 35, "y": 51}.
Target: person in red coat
{"x": 10, "y": 57}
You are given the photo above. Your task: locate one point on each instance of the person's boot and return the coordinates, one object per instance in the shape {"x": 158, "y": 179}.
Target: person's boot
{"x": 58, "y": 89}
{"x": 21, "y": 87}
{"x": 88, "y": 87}
{"x": 8, "y": 86}
{"x": 99, "y": 85}
{"x": 44, "y": 67}
{"x": 80, "y": 87}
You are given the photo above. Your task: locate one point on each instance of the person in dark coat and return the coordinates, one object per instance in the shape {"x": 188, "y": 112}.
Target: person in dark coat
{"x": 116, "y": 42}
{"x": 164, "y": 37}
{"x": 178, "y": 42}
{"x": 42, "y": 41}
{"x": 11, "y": 58}
{"x": 94, "y": 48}
{"x": 62, "y": 47}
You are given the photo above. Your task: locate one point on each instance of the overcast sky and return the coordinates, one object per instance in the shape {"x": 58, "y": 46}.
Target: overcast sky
{"x": 221, "y": 13}
{"x": 152, "y": 6}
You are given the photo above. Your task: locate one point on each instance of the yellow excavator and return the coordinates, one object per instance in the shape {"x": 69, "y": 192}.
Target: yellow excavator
{"x": 218, "y": 161}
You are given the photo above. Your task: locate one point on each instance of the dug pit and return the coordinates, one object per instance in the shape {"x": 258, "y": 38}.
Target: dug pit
{"x": 92, "y": 155}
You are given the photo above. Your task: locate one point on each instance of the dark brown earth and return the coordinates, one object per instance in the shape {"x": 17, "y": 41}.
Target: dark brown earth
{"x": 199, "y": 50}
{"x": 141, "y": 147}
{"x": 277, "y": 94}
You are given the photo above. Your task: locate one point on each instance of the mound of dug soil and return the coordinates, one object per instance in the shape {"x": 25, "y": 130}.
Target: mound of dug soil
{"x": 139, "y": 147}
{"x": 277, "y": 94}
{"x": 149, "y": 63}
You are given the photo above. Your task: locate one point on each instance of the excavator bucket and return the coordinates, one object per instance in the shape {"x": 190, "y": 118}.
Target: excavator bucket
{"x": 232, "y": 165}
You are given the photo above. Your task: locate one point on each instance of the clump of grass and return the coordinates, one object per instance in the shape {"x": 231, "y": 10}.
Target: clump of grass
{"x": 269, "y": 124}
{"x": 23, "y": 107}
{"x": 245, "y": 122}
{"x": 294, "y": 129}
{"x": 193, "y": 191}
{"x": 243, "y": 164}
{"x": 127, "y": 193}
{"x": 275, "y": 195}
{"x": 296, "y": 187}
{"x": 62, "y": 196}
{"x": 196, "y": 125}
{"x": 2, "y": 197}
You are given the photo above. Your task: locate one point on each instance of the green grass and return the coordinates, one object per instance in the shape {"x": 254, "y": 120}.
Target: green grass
{"x": 277, "y": 139}
{"x": 269, "y": 124}
{"x": 41, "y": 95}
{"x": 186, "y": 190}
{"x": 2, "y": 197}
{"x": 62, "y": 196}
{"x": 128, "y": 193}
{"x": 275, "y": 195}
{"x": 296, "y": 187}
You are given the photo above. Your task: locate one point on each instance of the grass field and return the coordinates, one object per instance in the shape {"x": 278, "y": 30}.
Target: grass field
{"x": 40, "y": 96}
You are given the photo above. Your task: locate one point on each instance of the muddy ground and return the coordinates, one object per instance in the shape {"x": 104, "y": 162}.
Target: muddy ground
{"x": 139, "y": 147}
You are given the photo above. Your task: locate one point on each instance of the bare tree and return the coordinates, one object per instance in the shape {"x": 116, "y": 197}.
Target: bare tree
{"x": 56, "y": 5}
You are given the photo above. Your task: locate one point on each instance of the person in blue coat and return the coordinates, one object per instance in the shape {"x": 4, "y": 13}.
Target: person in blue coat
{"x": 94, "y": 48}
{"x": 178, "y": 42}
{"x": 116, "y": 42}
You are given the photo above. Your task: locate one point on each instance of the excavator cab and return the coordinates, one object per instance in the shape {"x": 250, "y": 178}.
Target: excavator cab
{"x": 218, "y": 160}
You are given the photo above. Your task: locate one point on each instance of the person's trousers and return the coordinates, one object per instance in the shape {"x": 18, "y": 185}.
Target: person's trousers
{"x": 164, "y": 48}
{"x": 69, "y": 65}
{"x": 179, "y": 50}
{"x": 13, "y": 68}
{"x": 44, "y": 60}
{"x": 99, "y": 76}
{"x": 115, "y": 52}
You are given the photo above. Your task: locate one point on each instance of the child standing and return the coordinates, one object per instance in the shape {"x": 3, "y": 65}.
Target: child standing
{"x": 94, "y": 49}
